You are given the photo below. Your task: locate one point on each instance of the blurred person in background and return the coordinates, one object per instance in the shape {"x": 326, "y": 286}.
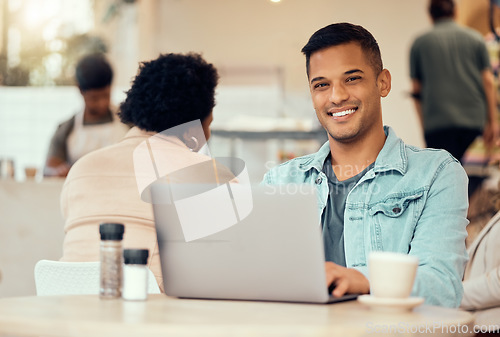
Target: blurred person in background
{"x": 453, "y": 84}
{"x": 96, "y": 126}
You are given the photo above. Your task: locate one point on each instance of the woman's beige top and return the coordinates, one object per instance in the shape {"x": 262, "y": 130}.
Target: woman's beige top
{"x": 482, "y": 275}
{"x": 101, "y": 187}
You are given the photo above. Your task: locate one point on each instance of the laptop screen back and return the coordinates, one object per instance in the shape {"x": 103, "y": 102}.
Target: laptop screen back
{"x": 271, "y": 248}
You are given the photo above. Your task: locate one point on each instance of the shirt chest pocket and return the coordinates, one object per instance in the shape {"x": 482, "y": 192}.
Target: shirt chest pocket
{"x": 393, "y": 220}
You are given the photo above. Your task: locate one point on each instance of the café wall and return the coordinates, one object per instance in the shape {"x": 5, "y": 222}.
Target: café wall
{"x": 258, "y": 33}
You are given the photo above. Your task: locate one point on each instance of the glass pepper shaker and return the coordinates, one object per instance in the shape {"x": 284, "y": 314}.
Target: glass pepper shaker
{"x": 111, "y": 260}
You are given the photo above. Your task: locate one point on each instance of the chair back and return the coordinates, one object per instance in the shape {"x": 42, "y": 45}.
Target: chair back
{"x": 74, "y": 278}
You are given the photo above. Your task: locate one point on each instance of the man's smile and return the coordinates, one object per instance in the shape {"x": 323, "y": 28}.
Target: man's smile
{"x": 341, "y": 112}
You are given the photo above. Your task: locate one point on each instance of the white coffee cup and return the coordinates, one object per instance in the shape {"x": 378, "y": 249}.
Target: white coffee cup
{"x": 391, "y": 274}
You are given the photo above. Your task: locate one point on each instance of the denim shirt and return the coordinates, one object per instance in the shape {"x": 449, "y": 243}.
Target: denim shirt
{"x": 413, "y": 201}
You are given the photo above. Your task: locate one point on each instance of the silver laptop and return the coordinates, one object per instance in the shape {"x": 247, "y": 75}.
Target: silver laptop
{"x": 270, "y": 249}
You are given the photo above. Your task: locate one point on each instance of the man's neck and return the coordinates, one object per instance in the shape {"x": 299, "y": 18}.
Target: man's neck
{"x": 349, "y": 159}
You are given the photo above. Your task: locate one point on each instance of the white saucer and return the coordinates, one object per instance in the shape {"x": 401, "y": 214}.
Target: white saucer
{"x": 391, "y": 303}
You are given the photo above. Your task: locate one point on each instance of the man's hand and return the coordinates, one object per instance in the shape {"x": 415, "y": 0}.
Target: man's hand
{"x": 346, "y": 280}
{"x": 56, "y": 167}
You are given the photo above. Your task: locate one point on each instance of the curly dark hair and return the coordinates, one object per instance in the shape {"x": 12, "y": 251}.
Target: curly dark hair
{"x": 170, "y": 90}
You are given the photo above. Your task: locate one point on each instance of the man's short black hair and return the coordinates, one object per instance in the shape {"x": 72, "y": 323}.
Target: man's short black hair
{"x": 170, "y": 90}
{"x": 93, "y": 72}
{"x": 341, "y": 33}
{"x": 441, "y": 9}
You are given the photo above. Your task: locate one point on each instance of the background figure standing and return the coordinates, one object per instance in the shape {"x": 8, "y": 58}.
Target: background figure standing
{"x": 94, "y": 127}
{"x": 452, "y": 83}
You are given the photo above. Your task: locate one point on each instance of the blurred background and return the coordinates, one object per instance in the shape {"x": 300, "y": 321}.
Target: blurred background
{"x": 255, "y": 44}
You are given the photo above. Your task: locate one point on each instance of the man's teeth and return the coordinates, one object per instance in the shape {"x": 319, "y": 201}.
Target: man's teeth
{"x": 343, "y": 113}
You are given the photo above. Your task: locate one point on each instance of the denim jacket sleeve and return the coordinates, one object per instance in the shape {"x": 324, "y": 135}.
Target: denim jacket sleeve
{"x": 439, "y": 238}
{"x": 421, "y": 213}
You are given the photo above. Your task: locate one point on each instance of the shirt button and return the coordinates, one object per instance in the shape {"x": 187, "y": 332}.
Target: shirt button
{"x": 396, "y": 210}
{"x": 318, "y": 180}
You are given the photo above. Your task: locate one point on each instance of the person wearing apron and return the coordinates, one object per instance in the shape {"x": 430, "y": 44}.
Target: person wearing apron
{"x": 94, "y": 127}
{"x": 86, "y": 138}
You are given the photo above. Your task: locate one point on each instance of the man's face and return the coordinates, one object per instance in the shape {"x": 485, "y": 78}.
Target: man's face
{"x": 346, "y": 92}
{"x": 97, "y": 101}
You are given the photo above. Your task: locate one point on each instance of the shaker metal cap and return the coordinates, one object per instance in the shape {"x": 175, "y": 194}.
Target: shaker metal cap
{"x": 135, "y": 256}
{"x": 111, "y": 231}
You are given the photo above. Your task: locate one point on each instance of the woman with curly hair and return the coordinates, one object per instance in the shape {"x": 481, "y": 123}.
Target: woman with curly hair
{"x": 169, "y": 97}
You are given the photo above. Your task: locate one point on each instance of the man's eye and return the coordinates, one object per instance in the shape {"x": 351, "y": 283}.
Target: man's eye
{"x": 320, "y": 85}
{"x": 353, "y": 78}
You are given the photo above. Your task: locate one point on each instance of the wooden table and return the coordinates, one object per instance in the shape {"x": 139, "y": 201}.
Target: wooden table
{"x": 164, "y": 316}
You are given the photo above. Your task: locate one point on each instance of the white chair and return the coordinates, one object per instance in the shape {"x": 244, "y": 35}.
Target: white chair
{"x": 74, "y": 278}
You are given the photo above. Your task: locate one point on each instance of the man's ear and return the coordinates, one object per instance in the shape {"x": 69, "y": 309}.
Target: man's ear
{"x": 384, "y": 82}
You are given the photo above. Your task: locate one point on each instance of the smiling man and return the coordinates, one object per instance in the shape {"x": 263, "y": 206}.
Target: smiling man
{"x": 376, "y": 193}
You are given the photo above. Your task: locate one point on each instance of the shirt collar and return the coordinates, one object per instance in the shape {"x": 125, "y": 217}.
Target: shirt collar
{"x": 135, "y": 132}
{"x": 443, "y": 21}
{"x": 317, "y": 159}
{"x": 391, "y": 157}
{"x": 141, "y": 135}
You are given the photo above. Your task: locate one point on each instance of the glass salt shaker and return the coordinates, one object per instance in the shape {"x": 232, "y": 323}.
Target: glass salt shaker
{"x": 135, "y": 274}
{"x": 111, "y": 260}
